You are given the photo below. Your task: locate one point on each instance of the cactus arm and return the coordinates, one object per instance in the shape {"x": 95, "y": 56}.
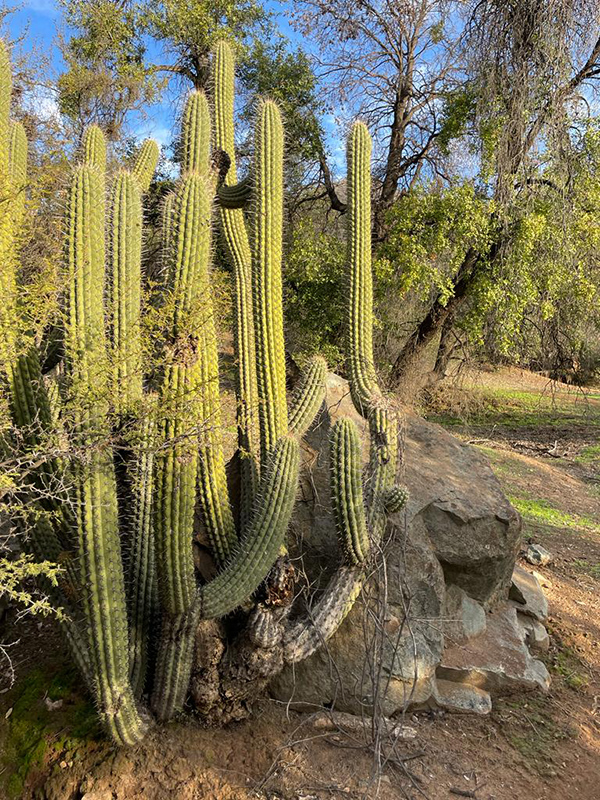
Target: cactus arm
{"x": 98, "y": 538}
{"x": 195, "y": 135}
{"x": 93, "y": 148}
{"x": 236, "y": 238}
{"x": 366, "y": 393}
{"x": 308, "y": 397}
{"x": 144, "y": 164}
{"x": 346, "y": 491}
{"x": 236, "y": 196}
{"x": 309, "y": 633}
{"x": 266, "y": 277}
{"x": 363, "y": 380}
{"x": 127, "y": 394}
{"x": 141, "y": 573}
{"x": 262, "y": 542}
{"x": 190, "y": 383}
{"x": 8, "y": 288}
{"x": 125, "y": 285}
{"x": 18, "y": 172}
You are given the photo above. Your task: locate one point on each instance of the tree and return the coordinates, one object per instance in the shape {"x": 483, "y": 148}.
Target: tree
{"x": 395, "y": 65}
{"x": 528, "y": 63}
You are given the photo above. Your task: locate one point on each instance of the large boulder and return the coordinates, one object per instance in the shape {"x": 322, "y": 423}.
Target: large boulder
{"x": 458, "y": 528}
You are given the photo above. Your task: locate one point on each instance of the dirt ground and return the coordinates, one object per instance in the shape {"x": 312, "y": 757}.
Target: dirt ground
{"x": 544, "y": 444}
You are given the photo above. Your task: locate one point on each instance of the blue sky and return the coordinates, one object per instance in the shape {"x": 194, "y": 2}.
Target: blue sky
{"x": 34, "y": 27}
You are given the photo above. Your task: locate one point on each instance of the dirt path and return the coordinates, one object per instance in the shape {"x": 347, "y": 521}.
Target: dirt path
{"x": 531, "y": 747}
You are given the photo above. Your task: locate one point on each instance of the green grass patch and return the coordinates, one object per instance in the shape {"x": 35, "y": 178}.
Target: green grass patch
{"x": 532, "y": 731}
{"x": 589, "y": 455}
{"x": 568, "y": 666}
{"x": 593, "y": 570}
{"x": 540, "y": 512}
{"x": 516, "y": 409}
{"x": 34, "y": 735}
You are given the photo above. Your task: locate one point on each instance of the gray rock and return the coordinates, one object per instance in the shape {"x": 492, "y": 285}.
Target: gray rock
{"x": 375, "y": 647}
{"x": 527, "y": 594}
{"x": 460, "y": 698}
{"x": 474, "y": 530}
{"x": 498, "y": 660}
{"x": 536, "y": 635}
{"x": 457, "y": 525}
{"x": 538, "y": 555}
{"x": 464, "y": 618}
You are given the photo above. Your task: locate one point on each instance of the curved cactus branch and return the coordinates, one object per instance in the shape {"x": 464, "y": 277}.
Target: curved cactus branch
{"x": 308, "y": 396}
{"x": 262, "y": 541}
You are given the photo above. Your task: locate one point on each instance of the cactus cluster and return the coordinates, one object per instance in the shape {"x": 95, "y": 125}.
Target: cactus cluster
{"x": 145, "y": 454}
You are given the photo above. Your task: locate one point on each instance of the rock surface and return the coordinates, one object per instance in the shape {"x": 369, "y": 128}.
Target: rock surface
{"x": 527, "y": 594}
{"x": 498, "y": 660}
{"x": 538, "y": 555}
{"x": 461, "y": 698}
{"x": 464, "y": 618}
{"x": 458, "y": 528}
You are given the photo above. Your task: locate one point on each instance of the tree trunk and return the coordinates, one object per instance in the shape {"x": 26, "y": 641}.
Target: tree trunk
{"x": 434, "y": 320}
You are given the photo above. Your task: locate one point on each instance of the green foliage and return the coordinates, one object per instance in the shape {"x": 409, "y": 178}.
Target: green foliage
{"x": 430, "y": 233}
{"x": 315, "y": 281}
{"x": 15, "y": 573}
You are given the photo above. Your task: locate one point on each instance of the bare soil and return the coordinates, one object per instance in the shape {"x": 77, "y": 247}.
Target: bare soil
{"x": 531, "y": 747}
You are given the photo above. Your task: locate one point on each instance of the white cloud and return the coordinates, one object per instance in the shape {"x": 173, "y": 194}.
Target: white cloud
{"x": 42, "y": 102}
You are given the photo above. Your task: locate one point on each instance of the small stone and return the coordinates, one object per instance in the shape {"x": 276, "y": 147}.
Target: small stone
{"x": 405, "y": 732}
{"x": 542, "y": 579}
{"x": 527, "y": 594}
{"x": 464, "y": 618}
{"x": 536, "y": 635}
{"x": 461, "y": 698}
{"x": 538, "y": 555}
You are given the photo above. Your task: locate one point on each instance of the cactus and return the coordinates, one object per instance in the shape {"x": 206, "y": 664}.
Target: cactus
{"x": 144, "y": 164}
{"x": 145, "y": 450}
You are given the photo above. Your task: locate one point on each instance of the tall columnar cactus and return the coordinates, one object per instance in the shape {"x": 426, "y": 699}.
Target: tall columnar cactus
{"x": 145, "y": 465}
{"x": 238, "y": 246}
{"x": 98, "y": 544}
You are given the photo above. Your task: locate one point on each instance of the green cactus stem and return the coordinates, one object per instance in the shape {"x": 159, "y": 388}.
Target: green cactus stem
{"x": 93, "y": 148}
{"x": 346, "y": 491}
{"x": 18, "y": 172}
{"x": 141, "y": 577}
{"x": 395, "y": 499}
{"x": 99, "y": 551}
{"x": 308, "y": 396}
{"x": 144, "y": 164}
{"x": 195, "y": 134}
{"x": 237, "y": 196}
{"x": 266, "y": 277}
{"x": 238, "y": 247}
{"x": 264, "y": 537}
{"x": 126, "y": 306}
